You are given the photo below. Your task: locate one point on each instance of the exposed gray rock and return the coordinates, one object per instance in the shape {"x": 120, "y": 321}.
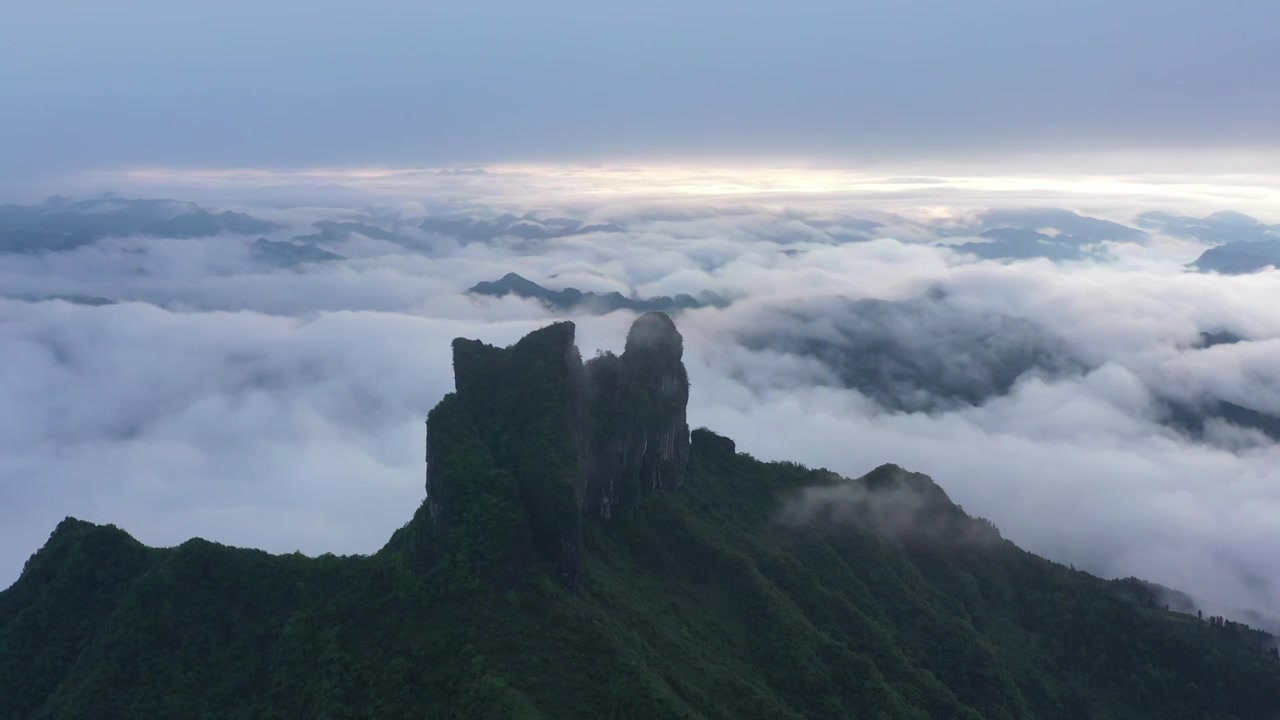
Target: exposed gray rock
{"x": 605, "y": 434}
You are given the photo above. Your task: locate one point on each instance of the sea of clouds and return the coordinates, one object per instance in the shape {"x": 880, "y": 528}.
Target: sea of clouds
{"x": 282, "y": 408}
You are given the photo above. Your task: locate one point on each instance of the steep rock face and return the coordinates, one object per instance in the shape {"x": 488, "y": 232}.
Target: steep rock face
{"x": 639, "y": 439}
{"x": 712, "y": 445}
{"x": 502, "y": 462}
{"x": 653, "y": 356}
{"x": 533, "y": 441}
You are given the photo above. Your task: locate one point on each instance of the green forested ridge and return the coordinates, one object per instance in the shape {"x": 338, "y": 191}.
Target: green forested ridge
{"x": 710, "y": 597}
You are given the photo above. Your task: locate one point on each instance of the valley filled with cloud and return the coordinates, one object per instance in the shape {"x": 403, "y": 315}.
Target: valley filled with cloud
{"x": 253, "y": 363}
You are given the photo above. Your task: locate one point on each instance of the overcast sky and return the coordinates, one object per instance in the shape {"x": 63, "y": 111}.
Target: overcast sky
{"x": 92, "y": 85}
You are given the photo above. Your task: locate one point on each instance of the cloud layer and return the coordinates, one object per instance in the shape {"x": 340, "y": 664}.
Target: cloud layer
{"x": 221, "y": 396}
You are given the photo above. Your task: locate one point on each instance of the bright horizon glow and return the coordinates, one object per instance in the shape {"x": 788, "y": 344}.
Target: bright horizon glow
{"x": 1256, "y": 193}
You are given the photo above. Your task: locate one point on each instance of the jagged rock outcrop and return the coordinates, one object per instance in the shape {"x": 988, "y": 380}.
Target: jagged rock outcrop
{"x": 713, "y": 445}
{"x": 533, "y": 441}
{"x": 639, "y": 437}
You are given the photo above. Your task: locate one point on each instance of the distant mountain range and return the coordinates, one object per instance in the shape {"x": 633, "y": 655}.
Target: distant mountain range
{"x": 62, "y": 224}
{"x": 925, "y": 355}
{"x": 1024, "y": 244}
{"x": 1220, "y": 228}
{"x": 1064, "y": 222}
{"x": 920, "y": 354}
{"x": 290, "y": 254}
{"x": 463, "y": 229}
{"x": 73, "y": 298}
{"x": 1244, "y": 244}
{"x": 598, "y": 303}
{"x": 332, "y": 231}
{"x": 1241, "y": 257}
{"x": 524, "y": 227}
{"x": 1053, "y": 233}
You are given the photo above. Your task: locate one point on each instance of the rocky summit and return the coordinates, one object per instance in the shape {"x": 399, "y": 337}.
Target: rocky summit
{"x": 607, "y": 431}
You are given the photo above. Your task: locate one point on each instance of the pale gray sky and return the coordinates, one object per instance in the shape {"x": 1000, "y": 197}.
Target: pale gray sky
{"x": 91, "y": 85}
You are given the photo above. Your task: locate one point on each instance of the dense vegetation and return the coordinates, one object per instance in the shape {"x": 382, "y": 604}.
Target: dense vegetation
{"x": 697, "y": 603}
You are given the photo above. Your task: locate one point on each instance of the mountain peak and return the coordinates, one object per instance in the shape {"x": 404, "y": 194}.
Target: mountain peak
{"x": 1232, "y": 217}
{"x": 549, "y": 441}
{"x": 655, "y": 331}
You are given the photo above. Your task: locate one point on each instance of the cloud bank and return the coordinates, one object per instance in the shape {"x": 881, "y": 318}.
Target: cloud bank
{"x": 208, "y": 392}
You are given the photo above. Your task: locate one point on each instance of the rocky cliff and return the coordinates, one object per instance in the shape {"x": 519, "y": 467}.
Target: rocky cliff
{"x": 637, "y": 435}
{"x": 542, "y": 442}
